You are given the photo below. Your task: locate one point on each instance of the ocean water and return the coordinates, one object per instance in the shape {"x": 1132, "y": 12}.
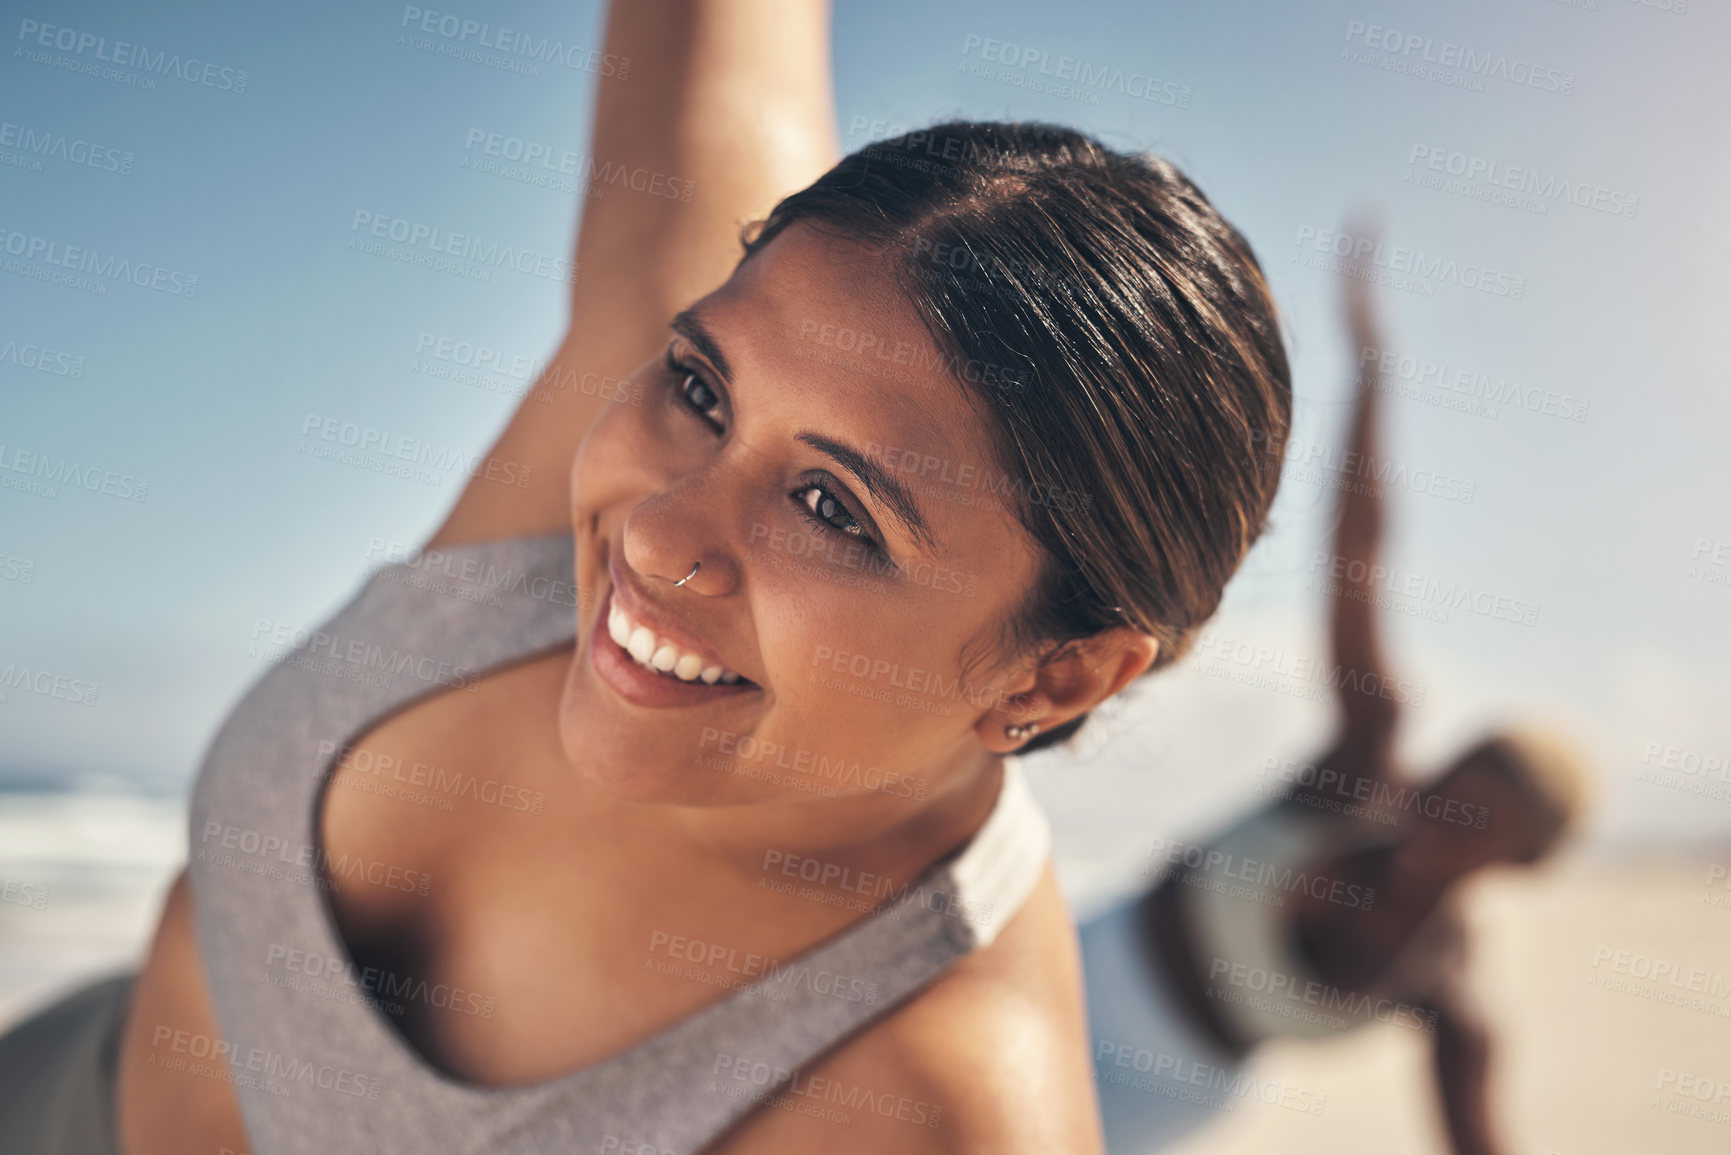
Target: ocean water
{"x": 82, "y": 877}
{"x": 83, "y": 871}
{"x": 83, "y": 874}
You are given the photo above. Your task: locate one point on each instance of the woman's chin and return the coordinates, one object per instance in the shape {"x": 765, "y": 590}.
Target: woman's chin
{"x": 612, "y": 748}
{"x": 636, "y": 768}
{"x": 635, "y": 780}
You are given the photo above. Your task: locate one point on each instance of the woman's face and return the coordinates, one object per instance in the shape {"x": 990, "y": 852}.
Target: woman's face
{"x": 804, "y": 445}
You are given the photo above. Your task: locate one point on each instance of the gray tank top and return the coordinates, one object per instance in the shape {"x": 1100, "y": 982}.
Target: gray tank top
{"x": 305, "y": 1037}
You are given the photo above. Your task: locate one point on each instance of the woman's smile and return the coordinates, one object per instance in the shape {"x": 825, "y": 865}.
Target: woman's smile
{"x": 650, "y": 659}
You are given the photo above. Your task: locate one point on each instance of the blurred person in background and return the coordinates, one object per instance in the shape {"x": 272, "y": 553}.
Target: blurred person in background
{"x": 1336, "y": 905}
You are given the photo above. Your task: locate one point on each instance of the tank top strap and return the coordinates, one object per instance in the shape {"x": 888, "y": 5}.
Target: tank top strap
{"x": 710, "y": 1070}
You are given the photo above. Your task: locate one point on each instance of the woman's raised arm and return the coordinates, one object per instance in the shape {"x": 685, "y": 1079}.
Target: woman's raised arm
{"x": 726, "y": 102}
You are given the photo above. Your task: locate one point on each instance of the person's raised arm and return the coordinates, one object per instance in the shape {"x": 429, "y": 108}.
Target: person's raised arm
{"x": 1367, "y": 702}
{"x": 707, "y": 113}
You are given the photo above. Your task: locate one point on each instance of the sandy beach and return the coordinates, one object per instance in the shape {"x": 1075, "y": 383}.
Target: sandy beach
{"x": 1610, "y": 987}
{"x": 1609, "y": 982}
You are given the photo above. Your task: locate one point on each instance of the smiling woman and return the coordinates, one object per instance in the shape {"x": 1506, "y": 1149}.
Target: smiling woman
{"x": 785, "y": 893}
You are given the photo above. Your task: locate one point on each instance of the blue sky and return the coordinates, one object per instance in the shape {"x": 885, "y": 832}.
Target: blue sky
{"x": 1289, "y": 116}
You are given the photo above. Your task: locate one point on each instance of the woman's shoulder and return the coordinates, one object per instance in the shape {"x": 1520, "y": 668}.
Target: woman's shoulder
{"x": 992, "y": 1057}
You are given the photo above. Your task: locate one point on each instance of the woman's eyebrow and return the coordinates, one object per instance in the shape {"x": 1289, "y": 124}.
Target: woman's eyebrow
{"x": 880, "y": 483}
{"x": 690, "y": 326}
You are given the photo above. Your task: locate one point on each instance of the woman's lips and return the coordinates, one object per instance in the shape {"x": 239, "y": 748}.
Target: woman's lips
{"x": 645, "y": 687}
{"x": 665, "y": 655}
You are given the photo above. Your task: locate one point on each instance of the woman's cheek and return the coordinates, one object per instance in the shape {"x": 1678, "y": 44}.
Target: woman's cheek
{"x": 612, "y": 458}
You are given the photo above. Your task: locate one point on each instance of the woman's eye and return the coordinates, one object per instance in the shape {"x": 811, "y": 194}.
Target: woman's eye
{"x": 700, "y": 396}
{"x": 830, "y": 511}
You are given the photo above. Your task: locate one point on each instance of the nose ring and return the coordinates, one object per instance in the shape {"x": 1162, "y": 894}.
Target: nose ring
{"x": 695, "y": 566}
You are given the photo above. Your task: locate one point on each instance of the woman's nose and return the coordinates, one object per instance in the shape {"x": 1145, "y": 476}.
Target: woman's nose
{"x": 679, "y": 537}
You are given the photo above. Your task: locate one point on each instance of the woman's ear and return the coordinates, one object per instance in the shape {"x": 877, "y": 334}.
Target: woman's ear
{"x": 1067, "y": 683}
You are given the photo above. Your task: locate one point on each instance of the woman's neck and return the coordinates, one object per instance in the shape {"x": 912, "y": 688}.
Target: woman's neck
{"x": 871, "y": 832}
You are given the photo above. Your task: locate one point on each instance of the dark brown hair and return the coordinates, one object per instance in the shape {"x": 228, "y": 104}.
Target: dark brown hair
{"x": 1135, "y": 374}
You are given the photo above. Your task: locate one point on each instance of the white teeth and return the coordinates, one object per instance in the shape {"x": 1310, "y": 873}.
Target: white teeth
{"x": 659, "y": 655}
